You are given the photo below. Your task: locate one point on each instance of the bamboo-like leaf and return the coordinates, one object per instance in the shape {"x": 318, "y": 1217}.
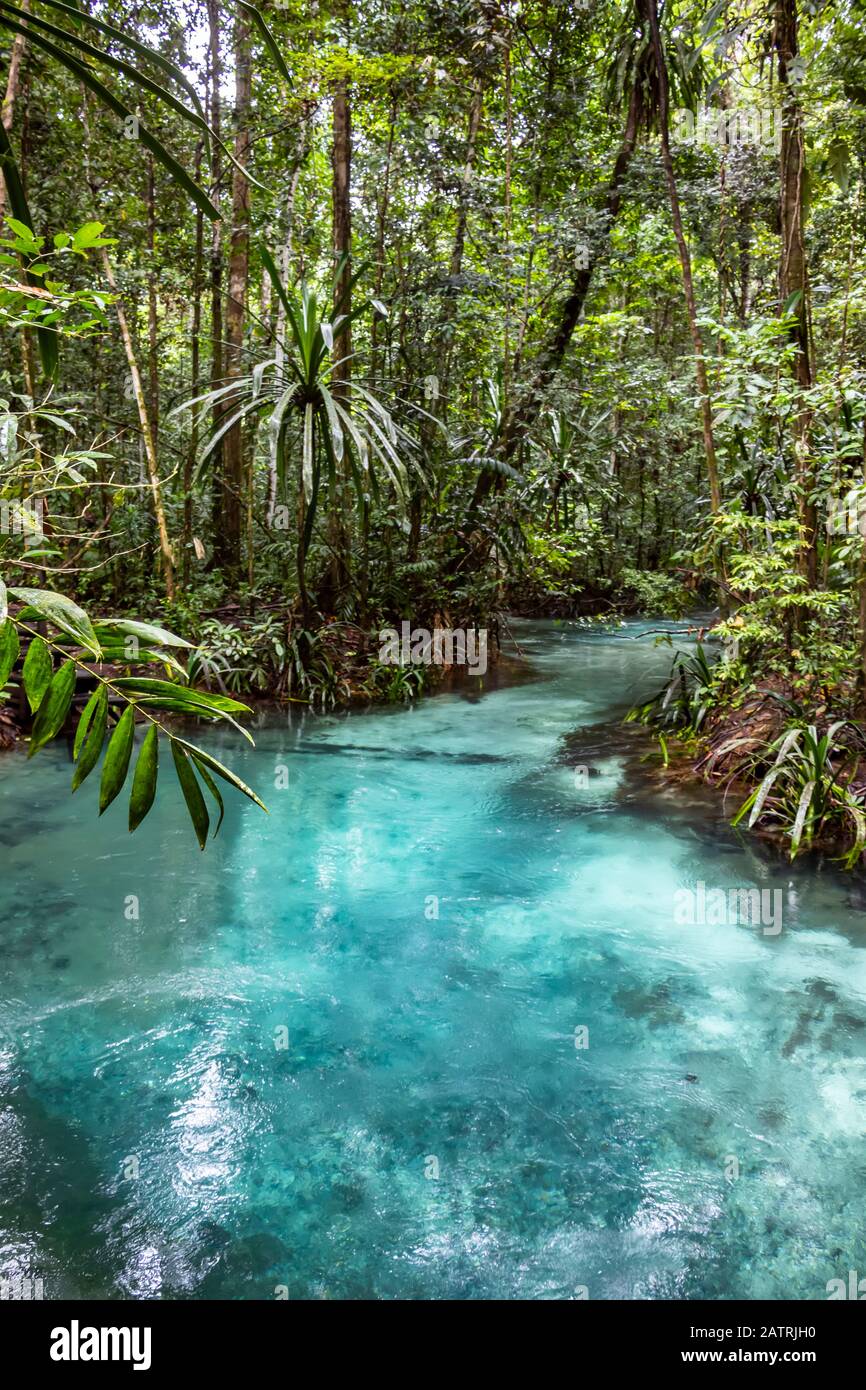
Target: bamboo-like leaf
{"x": 63, "y": 613}
{"x": 88, "y": 744}
{"x": 9, "y": 649}
{"x": 148, "y": 632}
{"x": 86, "y": 75}
{"x": 144, "y": 779}
{"x": 268, "y": 39}
{"x": 145, "y": 656}
{"x": 123, "y": 36}
{"x": 53, "y": 708}
{"x": 117, "y": 755}
{"x": 224, "y": 772}
{"x": 139, "y": 687}
{"x": 37, "y": 672}
{"x": 191, "y": 793}
{"x": 213, "y": 789}
{"x": 27, "y": 21}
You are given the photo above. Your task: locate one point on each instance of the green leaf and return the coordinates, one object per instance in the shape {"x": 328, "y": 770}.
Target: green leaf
{"x": 85, "y": 74}
{"x": 212, "y": 788}
{"x": 224, "y": 772}
{"x": 38, "y": 670}
{"x": 48, "y": 350}
{"x": 268, "y": 39}
{"x": 90, "y": 736}
{"x": 63, "y": 613}
{"x": 88, "y": 235}
{"x": 144, "y": 779}
{"x": 9, "y": 649}
{"x": 122, "y": 36}
{"x": 116, "y": 764}
{"x": 148, "y": 632}
{"x": 191, "y": 793}
{"x": 142, "y": 686}
{"x": 800, "y": 819}
{"x": 54, "y": 708}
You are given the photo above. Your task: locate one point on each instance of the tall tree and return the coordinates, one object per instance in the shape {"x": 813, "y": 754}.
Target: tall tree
{"x": 793, "y": 272}
{"x": 235, "y": 490}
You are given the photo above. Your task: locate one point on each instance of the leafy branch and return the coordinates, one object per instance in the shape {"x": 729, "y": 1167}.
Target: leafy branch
{"x": 50, "y": 690}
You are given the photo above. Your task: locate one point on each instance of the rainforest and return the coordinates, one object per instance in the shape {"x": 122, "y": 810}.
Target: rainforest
{"x": 432, "y": 649}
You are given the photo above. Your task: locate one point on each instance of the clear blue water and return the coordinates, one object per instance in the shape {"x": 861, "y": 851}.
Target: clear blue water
{"x": 157, "y": 1140}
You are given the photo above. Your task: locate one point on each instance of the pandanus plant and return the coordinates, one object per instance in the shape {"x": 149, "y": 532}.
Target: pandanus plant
{"x": 807, "y": 789}
{"x": 318, "y": 415}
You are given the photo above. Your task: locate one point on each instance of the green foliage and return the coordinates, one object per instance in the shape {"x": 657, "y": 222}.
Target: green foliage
{"x": 76, "y": 643}
{"x": 806, "y": 790}
{"x": 682, "y": 703}
{"x": 653, "y": 594}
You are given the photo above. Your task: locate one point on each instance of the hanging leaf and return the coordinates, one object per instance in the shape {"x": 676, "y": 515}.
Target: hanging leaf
{"x": 214, "y": 790}
{"x": 63, "y": 613}
{"x": 144, "y": 779}
{"x": 9, "y": 649}
{"x": 147, "y": 632}
{"x": 191, "y": 793}
{"x": 90, "y": 736}
{"x": 116, "y": 764}
{"x": 53, "y": 708}
{"x": 224, "y": 772}
{"x": 268, "y": 39}
{"x": 37, "y": 672}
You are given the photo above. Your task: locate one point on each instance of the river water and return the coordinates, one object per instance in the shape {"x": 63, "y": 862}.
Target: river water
{"x": 435, "y": 1027}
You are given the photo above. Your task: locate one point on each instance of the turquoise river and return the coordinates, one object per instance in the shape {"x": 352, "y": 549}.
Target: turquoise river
{"x": 433, "y": 1028}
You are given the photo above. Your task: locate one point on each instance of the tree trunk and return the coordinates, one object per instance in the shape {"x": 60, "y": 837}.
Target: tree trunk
{"x": 16, "y": 58}
{"x": 338, "y": 577}
{"x": 150, "y": 457}
{"x": 284, "y": 262}
{"x": 235, "y": 485}
{"x": 527, "y": 404}
{"x": 152, "y": 316}
{"x": 216, "y": 269}
{"x": 688, "y": 283}
{"x": 793, "y": 276}
{"x": 195, "y": 369}
{"x": 438, "y": 404}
